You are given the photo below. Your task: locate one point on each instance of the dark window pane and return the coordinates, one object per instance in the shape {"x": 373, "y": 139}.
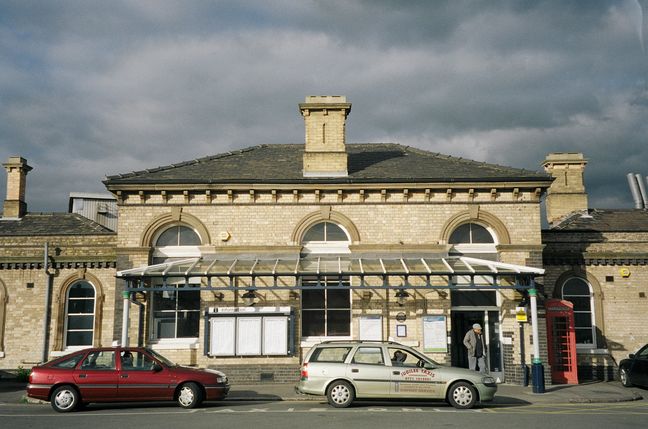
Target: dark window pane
{"x": 168, "y": 237}
{"x": 584, "y": 336}
{"x": 76, "y": 338}
{"x": 335, "y": 233}
{"x": 164, "y": 325}
{"x": 188, "y": 237}
{"x": 164, "y": 300}
{"x": 338, "y": 322}
{"x": 188, "y": 324}
{"x": 338, "y": 298}
{"x": 80, "y": 306}
{"x": 315, "y": 233}
{"x": 460, "y": 235}
{"x": 473, "y": 298}
{"x": 312, "y": 323}
{"x": 80, "y": 322}
{"x": 580, "y": 303}
{"x": 480, "y": 234}
{"x": 313, "y": 298}
{"x": 81, "y": 290}
{"x": 583, "y": 320}
{"x": 189, "y": 300}
{"x": 576, "y": 287}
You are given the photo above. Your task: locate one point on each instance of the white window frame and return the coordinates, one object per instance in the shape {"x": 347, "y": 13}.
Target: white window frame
{"x": 593, "y": 345}
{"x": 67, "y": 314}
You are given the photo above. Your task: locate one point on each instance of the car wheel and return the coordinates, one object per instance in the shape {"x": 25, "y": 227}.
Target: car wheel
{"x": 462, "y": 395}
{"x": 65, "y": 399}
{"x": 625, "y": 377}
{"x": 340, "y": 394}
{"x": 189, "y": 395}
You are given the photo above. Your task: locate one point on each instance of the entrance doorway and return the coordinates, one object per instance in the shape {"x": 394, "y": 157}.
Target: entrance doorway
{"x": 462, "y": 321}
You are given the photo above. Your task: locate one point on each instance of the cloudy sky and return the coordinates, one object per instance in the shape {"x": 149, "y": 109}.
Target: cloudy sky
{"x": 89, "y": 89}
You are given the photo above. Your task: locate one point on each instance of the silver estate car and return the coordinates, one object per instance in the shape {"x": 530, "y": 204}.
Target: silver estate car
{"x": 349, "y": 370}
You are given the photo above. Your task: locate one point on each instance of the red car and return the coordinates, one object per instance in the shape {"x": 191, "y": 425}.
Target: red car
{"x": 114, "y": 374}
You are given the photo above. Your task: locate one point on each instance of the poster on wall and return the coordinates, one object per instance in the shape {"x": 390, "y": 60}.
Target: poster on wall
{"x": 223, "y": 334}
{"x": 248, "y": 340}
{"x": 434, "y": 334}
{"x": 275, "y": 338}
{"x": 370, "y": 328}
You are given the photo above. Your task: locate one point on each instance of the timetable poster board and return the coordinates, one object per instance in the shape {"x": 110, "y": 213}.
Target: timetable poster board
{"x": 434, "y": 334}
{"x": 248, "y": 340}
{"x": 223, "y": 336}
{"x": 275, "y": 337}
{"x": 371, "y": 328}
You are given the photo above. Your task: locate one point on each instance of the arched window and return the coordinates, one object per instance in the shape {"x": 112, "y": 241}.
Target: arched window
{"x": 80, "y": 315}
{"x": 472, "y": 239}
{"x": 175, "y": 313}
{"x": 326, "y": 312}
{"x": 579, "y": 292}
{"x": 471, "y": 233}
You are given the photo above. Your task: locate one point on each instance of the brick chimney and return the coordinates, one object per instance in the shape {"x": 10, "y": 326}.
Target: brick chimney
{"x": 325, "y": 149}
{"x": 567, "y": 192}
{"x": 14, "y": 204}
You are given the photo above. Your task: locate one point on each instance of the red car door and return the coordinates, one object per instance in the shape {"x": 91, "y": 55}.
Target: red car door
{"x": 142, "y": 378}
{"x": 97, "y": 376}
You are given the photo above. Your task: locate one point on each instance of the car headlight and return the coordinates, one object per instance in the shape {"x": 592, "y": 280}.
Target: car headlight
{"x": 222, "y": 380}
{"x": 489, "y": 381}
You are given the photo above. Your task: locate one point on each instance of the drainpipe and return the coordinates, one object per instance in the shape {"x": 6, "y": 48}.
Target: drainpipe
{"x": 140, "y": 323}
{"x": 48, "y": 294}
{"x": 537, "y": 370}
{"x": 124, "y": 337}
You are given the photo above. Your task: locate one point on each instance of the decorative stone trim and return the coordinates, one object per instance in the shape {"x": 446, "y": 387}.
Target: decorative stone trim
{"x": 325, "y": 214}
{"x": 476, "y": 215}
{"x": 175, "y": 215}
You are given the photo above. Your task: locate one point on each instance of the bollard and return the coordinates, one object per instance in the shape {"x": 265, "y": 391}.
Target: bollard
{"x": 537, "y": 373}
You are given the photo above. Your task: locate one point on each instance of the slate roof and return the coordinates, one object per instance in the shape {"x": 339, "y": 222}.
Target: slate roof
{"x": 39, "y": 224}
{"x": 368, "y": 163}
{"x": 605, "y": 220}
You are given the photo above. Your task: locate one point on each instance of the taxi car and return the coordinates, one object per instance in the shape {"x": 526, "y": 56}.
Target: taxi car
{"x": 344, "y": 371}
{"x": 115, "y": 374}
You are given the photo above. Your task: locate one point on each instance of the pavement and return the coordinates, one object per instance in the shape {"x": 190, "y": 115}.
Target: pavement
{"x": 13, "y": 392}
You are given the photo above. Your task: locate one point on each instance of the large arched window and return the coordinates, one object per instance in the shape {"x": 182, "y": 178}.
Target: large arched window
{"x": 80, "y": 315}
{"x": 175, "y": 313}
{"x": 473, "y": 239}
{"x": 579, "y": 292}
{"x": 326, "y": 312}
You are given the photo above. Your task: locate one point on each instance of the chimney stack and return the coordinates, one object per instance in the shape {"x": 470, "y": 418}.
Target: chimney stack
{"x": 14, "y": 204}
{"x": 325, "y": 149}
{"x": 567, "y": 192}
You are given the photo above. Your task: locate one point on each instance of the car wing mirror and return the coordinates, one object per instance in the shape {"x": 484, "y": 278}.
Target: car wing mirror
{"x": 631, "y": 356}
{"x": 156, "y": 367}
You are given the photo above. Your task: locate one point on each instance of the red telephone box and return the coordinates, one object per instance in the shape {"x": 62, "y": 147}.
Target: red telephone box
{"x": 561, "y": 341}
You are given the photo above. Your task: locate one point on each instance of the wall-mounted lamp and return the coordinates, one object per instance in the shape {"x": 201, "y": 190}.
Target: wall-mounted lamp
{"x": 249, "y": 297}
{"x": 401, "y": 296}
{"x": 293, "y": 294}
{"x": 219, "y": 295}
{"x": 366, "y": 295}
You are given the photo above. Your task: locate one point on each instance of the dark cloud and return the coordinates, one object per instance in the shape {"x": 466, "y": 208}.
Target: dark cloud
{"x": 94, "y": 88}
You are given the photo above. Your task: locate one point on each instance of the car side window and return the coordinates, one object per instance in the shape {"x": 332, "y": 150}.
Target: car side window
{"x": 99, "y": 360}
{"x": 400, "y": 357}
{"x": 68, "y": 363}
{"x": 369, "y": 355}
{"x": 137, "y": 361}
{"x": 330, "y": 354}
{"x": 643, "y": 353}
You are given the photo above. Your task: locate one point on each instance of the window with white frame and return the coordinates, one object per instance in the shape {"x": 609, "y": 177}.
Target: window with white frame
{"x": 326, "y": 309}
{"x": 176, "y": 312}
{"x": 474, "y": 239}
{"x": 579, "y": 292}
{"x": 79, "y": 315}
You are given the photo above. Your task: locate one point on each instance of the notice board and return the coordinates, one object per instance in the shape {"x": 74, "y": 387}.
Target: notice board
{"x": 435, "y": 334}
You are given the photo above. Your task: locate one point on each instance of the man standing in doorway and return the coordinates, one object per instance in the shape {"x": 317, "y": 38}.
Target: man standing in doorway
{"x": 474, "y": 342}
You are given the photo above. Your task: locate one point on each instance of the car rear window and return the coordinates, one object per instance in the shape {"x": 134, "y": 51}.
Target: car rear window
{"x": 330, "y": 354}
{"x": 69, "y": 363}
